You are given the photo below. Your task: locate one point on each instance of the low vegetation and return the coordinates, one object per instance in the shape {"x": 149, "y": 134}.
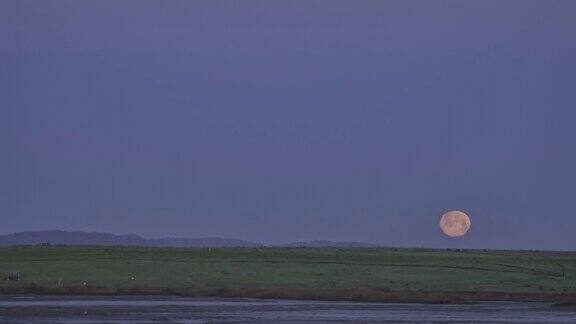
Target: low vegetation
{"x": 367, "y": 274}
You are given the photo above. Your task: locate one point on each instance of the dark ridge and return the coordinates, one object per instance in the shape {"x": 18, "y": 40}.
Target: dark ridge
{"x": 107, "y": 239}
{"x": 55, "y": 237}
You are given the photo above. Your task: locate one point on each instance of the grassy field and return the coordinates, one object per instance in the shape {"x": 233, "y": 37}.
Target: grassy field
{"x": 301, "y": 273}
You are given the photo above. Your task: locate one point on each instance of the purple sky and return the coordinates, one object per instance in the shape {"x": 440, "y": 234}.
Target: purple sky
{"x": 278, "y": 121}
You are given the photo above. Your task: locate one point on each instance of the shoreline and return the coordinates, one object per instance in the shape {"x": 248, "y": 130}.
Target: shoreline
{"x": 372, "y": 296}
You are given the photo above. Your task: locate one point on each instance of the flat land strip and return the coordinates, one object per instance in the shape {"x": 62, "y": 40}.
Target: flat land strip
{"x": 363, "y": 274}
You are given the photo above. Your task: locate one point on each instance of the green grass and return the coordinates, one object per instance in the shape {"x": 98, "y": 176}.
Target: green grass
{"x": 362, "y": 274}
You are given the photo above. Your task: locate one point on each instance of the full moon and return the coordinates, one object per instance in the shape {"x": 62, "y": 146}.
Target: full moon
{"x": 455, "y": 223}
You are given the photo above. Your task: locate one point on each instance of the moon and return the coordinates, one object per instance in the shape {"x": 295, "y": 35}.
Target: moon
{"x": 455, "y": 223}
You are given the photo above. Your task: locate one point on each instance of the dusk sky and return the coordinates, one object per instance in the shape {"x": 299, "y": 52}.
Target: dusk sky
{"x": 280, "y": 121}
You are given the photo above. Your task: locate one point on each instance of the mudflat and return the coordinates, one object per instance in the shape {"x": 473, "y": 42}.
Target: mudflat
{"x": 353, "y": 274}
{"x": 173, "y": 309}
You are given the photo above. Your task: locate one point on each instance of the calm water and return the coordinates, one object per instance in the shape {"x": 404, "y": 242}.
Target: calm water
{"x": 27, "y": 309}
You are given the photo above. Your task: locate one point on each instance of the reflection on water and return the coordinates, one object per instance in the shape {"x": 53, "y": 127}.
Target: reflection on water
{"x": 26, "y": 309}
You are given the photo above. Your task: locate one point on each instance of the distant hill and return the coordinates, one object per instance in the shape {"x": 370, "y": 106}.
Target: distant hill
{"x": 95, "y": 238}
{"x": 317, "y": 244}
{"x": 107, "y": 239}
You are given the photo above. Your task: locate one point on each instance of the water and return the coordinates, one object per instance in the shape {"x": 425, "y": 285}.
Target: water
{"x": 146, "y": 309}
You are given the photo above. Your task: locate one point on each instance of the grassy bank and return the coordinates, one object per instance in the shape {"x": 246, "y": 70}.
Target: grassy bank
{"x": 409, "y": 275}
